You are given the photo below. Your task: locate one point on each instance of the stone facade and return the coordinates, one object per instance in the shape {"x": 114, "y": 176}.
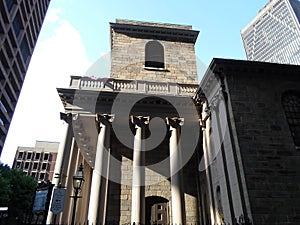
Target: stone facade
{"x": 255, "y": 163}
{"x": 128, "y": 52}
{"x": 117, "y": 188}
{"x": 229, "y": 149}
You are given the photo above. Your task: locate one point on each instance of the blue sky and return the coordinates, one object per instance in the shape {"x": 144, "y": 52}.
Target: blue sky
{"x": 76, "y": 33}
{"x": 219, "y": 22}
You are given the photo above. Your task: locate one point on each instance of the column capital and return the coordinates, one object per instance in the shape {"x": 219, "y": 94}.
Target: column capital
{"x": 140, "y": 120}
{"x": 175, "y": 122}
{"x": 67, "y": 117}
{"x": 105, "y": 118}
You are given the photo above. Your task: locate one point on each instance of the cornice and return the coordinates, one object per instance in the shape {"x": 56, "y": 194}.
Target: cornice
{"x": 156, "y": 32}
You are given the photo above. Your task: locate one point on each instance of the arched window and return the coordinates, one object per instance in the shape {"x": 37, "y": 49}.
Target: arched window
{"x": 154, "y": 55}
{"x": 291, "y": 106}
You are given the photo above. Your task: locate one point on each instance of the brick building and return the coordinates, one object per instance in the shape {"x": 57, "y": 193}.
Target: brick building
{"x": 38, "y": 161}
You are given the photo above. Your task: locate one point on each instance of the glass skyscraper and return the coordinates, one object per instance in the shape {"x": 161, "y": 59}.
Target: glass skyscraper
{"x": 274, "y": 34}
{"x": 20, "y": 24}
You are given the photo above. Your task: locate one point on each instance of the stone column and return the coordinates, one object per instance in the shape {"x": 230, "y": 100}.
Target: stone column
{"x": 62, "y": 156}
{"x": 138, "y": 175}
{"x": 97, "y": 204}
{"x": 178, "y": 206}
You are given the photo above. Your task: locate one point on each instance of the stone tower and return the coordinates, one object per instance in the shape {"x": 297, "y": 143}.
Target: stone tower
{"x": 153, "y": 52}
{"x": 137, "y": 132}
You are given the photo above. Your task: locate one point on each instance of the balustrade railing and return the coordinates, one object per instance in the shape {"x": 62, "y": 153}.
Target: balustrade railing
{"x": 137, "y": 86}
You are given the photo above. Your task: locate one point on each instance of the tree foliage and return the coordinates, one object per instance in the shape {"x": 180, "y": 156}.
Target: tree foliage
{"x": 17, "y": 191}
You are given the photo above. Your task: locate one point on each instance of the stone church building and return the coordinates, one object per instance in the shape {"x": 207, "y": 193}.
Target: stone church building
{"x": 157, "y": 147}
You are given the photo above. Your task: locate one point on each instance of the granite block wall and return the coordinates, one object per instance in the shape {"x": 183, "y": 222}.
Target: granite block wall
{"x": 269, "y": 157}
{"x": 128, "y": 60}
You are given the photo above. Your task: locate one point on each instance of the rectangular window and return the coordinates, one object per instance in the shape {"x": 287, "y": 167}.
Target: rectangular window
{"x": 35, "y": 166}
{"x": 159, "y": 217}
{"x": 18, "y": 165}
{"x": 46, "y": 156}
{"x": 42, "y": 176}
{"x": 20, "y": 155}
{"x": 37, "y": 156}
{"x": 33, "y": 174}
{"x": 44, "y": 166}
{"x": 29, "y": 156}
{"x": 27, "y": 164}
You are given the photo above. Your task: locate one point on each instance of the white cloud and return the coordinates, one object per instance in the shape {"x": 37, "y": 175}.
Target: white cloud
{"x": 37, "y": 114}
{"x": 52, "y": 15}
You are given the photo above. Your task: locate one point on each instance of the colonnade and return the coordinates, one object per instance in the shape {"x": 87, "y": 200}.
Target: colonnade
{"x": 100, "y": 174}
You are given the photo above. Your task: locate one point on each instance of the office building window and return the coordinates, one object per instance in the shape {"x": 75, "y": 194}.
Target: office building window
{"x": 17, "y": 24}
{"x": 9, "y": 4}
{"x": 44, "y": 166}
{"x": 24, "y": 49}
{"x": 42, "y": 176}
{"x": 154, "y": 55}
{"x": 33, "y": 174}
{"x": 291, "y": 106}
{"x": 35, "y": 166}
{"x": 26, "y": 166}
{"x": 18, "y": 165}
{"x": 37, "y": 156}
{"x": 20, "y": 155}
{"x": 29, "y": 156}
{"x": 46, "y": 156}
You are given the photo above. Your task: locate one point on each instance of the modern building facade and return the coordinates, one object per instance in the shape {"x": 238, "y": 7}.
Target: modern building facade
{"x": 38, "y": 161}
{"x": 20, "y": 24}
{"x": 158, "y": 148}
{"x": 274, "y": 34}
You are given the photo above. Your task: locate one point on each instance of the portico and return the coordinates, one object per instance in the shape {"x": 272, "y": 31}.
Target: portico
{"x": 137, "y": 132}
{"x": 147, "y": 142}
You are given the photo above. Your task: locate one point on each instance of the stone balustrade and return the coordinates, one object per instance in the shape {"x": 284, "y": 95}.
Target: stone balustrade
{"x": 137, "y": 86}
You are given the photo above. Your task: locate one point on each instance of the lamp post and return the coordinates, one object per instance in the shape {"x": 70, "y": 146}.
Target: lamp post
{"x": 78, "y": 180}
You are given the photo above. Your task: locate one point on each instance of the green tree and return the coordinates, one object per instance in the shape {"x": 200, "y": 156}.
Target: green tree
{"x": 19, "y": 191}
{"x": 5, "y": 188}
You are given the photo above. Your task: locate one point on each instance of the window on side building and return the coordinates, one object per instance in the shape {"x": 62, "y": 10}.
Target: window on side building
{"x": 291, "y": 106}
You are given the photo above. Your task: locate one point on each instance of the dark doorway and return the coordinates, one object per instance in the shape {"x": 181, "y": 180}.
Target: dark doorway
{"x": 157, "y": 210}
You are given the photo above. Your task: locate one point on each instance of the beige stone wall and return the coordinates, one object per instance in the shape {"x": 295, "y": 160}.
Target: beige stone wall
{"x": 128, "y": 58}
{"x": 158, "y": 186}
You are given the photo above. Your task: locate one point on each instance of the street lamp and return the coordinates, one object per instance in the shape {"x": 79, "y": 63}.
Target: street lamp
{"x": 78, "y": 180}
